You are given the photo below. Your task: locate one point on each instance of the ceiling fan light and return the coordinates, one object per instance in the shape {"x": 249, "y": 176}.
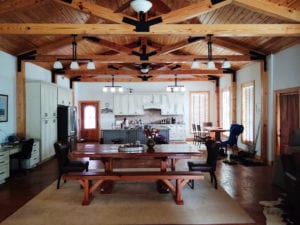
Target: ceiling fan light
{"x": 226, "y": 64}
{"x": 195, "y": 64}
{"x": 91, "y": 65}
{"x": 57, "y": 65}
{"x": 145, "y": 70}
{"x": 141, "y": 5}
{"x": 74, "y": 65}
{"x": 211, "y": 65}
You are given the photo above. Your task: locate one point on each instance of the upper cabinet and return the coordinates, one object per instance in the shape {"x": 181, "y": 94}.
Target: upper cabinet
{"x": 64, "y": 96}
{"x": 172, "y": 104}
{"x": 135, "y": 104}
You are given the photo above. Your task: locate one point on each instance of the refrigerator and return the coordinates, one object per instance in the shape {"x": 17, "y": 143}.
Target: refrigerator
{"x": 67, "y": 125}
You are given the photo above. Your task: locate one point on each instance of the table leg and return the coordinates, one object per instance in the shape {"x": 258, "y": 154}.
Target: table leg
{"x": 107, "y": 186}
{"x": 161, "y": 187}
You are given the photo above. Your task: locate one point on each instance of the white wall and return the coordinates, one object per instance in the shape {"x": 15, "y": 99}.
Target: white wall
{"x": 8, "y": 65}
{"x": 283, "y": 73}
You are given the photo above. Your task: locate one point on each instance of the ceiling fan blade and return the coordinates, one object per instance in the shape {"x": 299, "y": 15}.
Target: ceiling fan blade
{"x": 160, "y": 6}
{"x": 123, "y": 7}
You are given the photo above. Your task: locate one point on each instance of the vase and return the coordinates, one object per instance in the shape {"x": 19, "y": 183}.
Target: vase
{"x": 150, "y": 143}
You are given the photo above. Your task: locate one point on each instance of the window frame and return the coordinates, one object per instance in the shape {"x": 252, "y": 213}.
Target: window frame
{"x": 207, "y": 95}
{"x": 248, "y": 133}
{"x": 229, "y": 112}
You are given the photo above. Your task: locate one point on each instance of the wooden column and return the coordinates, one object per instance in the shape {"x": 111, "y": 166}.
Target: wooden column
{"x": 233, "y": 98}
{"x": 264, "y": 113}
{"x": 21, "y": 101}
{"x": 217, "y": 94}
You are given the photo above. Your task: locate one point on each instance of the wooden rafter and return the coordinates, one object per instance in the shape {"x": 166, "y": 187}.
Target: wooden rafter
{"x": 89, "y": 7}
{"x": 218, "y": 30}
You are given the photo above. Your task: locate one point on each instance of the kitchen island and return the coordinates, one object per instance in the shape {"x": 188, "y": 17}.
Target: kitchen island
{"x": 124, "y": 136}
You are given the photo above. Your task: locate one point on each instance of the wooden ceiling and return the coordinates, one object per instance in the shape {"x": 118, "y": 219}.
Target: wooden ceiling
{"x": 242, "y": 31}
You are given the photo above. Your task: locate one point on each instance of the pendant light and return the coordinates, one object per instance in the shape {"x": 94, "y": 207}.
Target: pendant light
{"x": 112, "y": 88}
{"x": 175, "y": 88}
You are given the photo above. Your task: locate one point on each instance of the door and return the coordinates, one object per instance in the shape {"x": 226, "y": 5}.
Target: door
{"x": 89, "y": 121}
{"x": 287, "y": 117}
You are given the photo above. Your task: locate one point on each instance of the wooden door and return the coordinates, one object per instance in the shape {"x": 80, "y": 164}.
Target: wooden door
{"x": 89, "y": 121}
{"x": 287, "y": 117}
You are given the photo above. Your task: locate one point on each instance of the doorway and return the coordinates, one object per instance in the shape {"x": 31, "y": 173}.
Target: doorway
{"x": 89, "y": 121}
{"x": 287, "y": 117}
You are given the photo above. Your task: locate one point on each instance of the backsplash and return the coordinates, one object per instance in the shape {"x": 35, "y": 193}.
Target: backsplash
{"x": 151, "y": 116}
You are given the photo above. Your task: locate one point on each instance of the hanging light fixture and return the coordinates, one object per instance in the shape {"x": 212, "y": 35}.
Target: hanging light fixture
{"x": 211, "y": 64}
{"x": 175, "y": 88}
{"x": 74, "y": 61}
{"x": 141, "y": 6}
{"x": 112, "y": 88}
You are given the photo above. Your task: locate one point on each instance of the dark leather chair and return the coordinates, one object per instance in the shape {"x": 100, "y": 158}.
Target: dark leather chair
{"x": 24, "y": 153}
{"x": 65, "y": 164}
{"x": 210, "y": 165}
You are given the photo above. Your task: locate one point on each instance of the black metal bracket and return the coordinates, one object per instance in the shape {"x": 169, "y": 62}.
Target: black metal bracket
{"x": 215, "y": 78}
{"x": 142, "y": 25}
{"x": 258, "y": 56}
{"x": 77, "y": 78}
{"x": 26, "y": 56}
{"x": 144, "y": 55}
{"x": 232, "y": 71}
{"x": 216, "y": 1}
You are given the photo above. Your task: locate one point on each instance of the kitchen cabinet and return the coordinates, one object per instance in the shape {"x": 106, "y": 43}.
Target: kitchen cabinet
{"x": 121, "y": 104}
{"x": 128, "y": 104}
{"x": 4, "y": 166}
{"x": 64, "y": 96}
{"x": 176, "y": 131}
{"x": 129, "y": 136}
{"x": 41, "y": 115}
{"x": 172, "y": 104}
{"x": 135, "y": 105}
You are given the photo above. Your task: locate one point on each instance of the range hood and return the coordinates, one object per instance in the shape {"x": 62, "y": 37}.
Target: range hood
{"x": 152, "y": 106}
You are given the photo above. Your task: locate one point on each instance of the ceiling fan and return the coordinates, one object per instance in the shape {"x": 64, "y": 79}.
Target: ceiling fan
{"x": 157, "y": 5}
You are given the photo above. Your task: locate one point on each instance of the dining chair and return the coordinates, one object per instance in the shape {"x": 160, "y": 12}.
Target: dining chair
{"x": 24, "y": 153}
{"x": 202, "y": 136}
{"x": 65, "y": 164}
{"x": 209, "y": 166}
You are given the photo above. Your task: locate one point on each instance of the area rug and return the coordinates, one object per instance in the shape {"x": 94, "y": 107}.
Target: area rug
{"x": 130, "y": 203}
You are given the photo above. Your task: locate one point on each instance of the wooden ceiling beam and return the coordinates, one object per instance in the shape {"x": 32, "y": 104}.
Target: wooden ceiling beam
{"x": 192, "y": 10}
{"x": 270, "y": 8}
{"x": 136, "y": 79}
{"x": 109, "y": 44}
{"x": 134, "y": 59}
{"x": 179, "y": 45}
{"x": 218, "y": 30}
{"x": 87, "y": 6}
{"x": 136, "y": 72}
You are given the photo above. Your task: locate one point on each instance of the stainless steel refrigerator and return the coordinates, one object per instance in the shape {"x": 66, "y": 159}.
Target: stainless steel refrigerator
{"x": 67, "y": 125}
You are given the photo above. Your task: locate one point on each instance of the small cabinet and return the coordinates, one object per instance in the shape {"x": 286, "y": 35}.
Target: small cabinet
{"x": 64, "y": 96}
{"x": 121, "y": 104}
{"x": 125, "y": 104}
{"x": 172, "y": 104}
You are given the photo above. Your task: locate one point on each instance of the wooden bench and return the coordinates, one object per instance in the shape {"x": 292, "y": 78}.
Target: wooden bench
{"x": 181, "y": 178}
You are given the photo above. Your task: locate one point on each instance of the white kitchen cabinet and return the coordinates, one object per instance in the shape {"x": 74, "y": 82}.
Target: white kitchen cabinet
{"x": 64, "y": 96}
{"x": 41, "y": 121}
{"x": 176, "y": 132}
{"x": 48, "y": 138}
{"x": 172, "y": 104}
{"x": 121, "y": 104}
{"x": 4, "y": 166}
{"x": 135, "y": 104}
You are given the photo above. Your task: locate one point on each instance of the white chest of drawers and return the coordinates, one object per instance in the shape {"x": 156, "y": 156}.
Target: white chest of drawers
{"x": 4, "y": 166}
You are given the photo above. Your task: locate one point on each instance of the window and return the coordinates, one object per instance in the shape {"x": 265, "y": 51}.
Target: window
{"x": 226, "y": 108}
{"x": 89, "y": 117}
{"x": 199, "y": 107}
{"x": 248, "y": 112}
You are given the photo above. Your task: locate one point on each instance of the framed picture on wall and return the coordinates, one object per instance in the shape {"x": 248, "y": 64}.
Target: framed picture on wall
{"x": 3, "y": 108}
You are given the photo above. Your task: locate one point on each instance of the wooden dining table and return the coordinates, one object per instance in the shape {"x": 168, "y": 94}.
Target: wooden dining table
{"x": 217, "y": 131}
{"x": 167, "y": 154}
